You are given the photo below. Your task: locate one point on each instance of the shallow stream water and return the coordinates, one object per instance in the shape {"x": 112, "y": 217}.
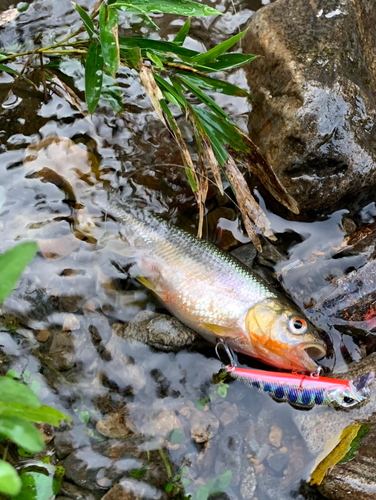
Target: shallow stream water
{"x": 58, "y": 327}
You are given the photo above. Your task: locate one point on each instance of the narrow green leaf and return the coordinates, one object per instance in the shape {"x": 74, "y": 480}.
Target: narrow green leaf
{"x": 7, "y": 69}
{"x": 3, "y": 56}
{"x": 22, "y": 433}
{"x": 12, "y": 391}
{"x": 108, "y": 22}
{"x": 164, "y": 85}
{"x": 157, "y": 45}
{"x": 200, "y": 94}
{"x": 10, "y": 483}
{"x": 44, "y": 414}
{"x": 131, "y": 7}
{"x": 179, "y": 7}
{"x": 183, "y": 32}
{"x": 88, "y": 23}
{"x": 226, "y": 61}
{"x": 215, "y": 52}
{"x": 217, "y": 140}
{"x": 12, "y": 265}
{"x": 132, "y": 57}
{"x": 214, "y": 84}
{"x": 155, "y": 59}
{"x": 93, "y": 76}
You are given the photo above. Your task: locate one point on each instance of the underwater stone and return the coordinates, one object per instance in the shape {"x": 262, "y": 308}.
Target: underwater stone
{"x": 313, "y": 92}
{"x": 159, "y": 331}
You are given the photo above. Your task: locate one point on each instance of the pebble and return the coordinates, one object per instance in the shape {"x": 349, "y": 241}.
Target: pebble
{"x": 248, "y": 483}
{"x": 115, "y": 425}
{"x": 275, "y": 436}
{"x": 204, "y": 425}
{"x": 43, "y": 335}
{"x": 277, "y": 463}
{"x": 226, "y": 412}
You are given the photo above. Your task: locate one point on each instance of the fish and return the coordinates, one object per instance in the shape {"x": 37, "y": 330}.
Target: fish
{"x": 305, "y": 392}
{"x": 213, "y": 293}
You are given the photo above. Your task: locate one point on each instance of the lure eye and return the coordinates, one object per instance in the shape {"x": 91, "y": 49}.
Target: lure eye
{"x": 297, "y": 325}
{"x": 348, "y": 400}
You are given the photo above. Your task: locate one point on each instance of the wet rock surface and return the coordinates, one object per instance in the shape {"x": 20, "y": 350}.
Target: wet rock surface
{"x": 314, "y": 90}
{"x": 355, "y": 478}
{"x": 159, "y": 331}
{"x": 318, "y": 426}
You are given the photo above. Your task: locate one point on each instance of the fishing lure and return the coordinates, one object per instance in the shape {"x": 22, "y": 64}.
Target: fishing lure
{"x": 300, "y": 390}
{"x": 306, "y": 391}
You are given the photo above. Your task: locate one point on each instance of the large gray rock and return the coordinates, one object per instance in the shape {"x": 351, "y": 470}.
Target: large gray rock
{"x": 314, "y": 88}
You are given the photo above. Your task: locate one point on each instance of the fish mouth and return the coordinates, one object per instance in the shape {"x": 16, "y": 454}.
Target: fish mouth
{"x": 310, "y": 353}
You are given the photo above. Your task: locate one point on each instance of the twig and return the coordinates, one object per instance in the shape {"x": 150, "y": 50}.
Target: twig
{"x": 43, "y": 78}
{"x": 15, "y": 83}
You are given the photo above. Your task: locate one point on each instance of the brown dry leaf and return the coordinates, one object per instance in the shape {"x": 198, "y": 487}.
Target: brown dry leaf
{"x": 257, "y": 164}
{"x": 7, "y": 16}
{"x": 210, "y": 156}
{"x": 152, "y": 90}
{"x": 66, "y": 92}
{"x": 115, "y": 31}
{"x": 249, "y": 207}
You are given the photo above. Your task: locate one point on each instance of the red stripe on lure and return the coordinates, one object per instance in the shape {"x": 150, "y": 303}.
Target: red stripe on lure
{"x": 300, "y": 390}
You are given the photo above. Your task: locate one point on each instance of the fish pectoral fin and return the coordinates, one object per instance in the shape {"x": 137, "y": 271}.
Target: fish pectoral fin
{"x": 222, "y": 331}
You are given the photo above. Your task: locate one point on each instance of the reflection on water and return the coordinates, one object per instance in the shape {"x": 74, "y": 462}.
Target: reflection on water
{"x": 135, "y": 408}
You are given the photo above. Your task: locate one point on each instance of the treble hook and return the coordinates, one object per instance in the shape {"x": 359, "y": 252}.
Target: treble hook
{"x": 228, "y": 351}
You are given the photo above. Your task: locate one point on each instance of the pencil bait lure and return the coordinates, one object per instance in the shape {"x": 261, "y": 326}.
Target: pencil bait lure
{"x": 306, "y": 391}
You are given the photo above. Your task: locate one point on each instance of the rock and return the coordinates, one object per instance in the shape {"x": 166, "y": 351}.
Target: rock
{"x": 107, "y": 462}
{"x": 159, "y": 331}
{"x": 117, "y": 492}
{"x": 62, "y": 350}
{"x": 314, "y": 90}
{"x": 355, "y": 479}
{"x": 248, "y": 484}
{"x": 165, "y": 422}
{"x": 277, "y": 463}
{"x": 226, "y": 412}
{"x": 73, "y": 491}
{"x": 318, "y": 426}
{"x": 246, "y": 254}
{"x": 64, "y": 444}
{"x": 47, "y": 432}
{"x": 275, "y": 436}
{"x": 115, "y": 425}
{"x": 204, "y": 425}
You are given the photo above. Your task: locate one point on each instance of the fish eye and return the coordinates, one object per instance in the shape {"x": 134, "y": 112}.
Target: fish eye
{"x": 348, "y": 400}
{"x": 297, "y": 325}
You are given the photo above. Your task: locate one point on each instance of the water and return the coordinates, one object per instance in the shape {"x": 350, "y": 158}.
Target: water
{"x": 58, "y": 329}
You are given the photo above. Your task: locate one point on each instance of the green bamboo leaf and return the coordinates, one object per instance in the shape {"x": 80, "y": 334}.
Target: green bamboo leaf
{"x": 155, "y": 59}
{"x": 195, "y": 90}
{"x": 215, "y": 52}
{"x": 214, "y": 84}
{"x": 39, "y": 415}
{"x": 12, "y": 391}
{"x": 226, "y": 62}
{"x": 12, "y": 264}
{"x": 183, "y": 32}
{"x": 22, "y": 433}
{"x": 10, "y": 483}
{"x": 132, "y": 57}
{"x": 131, "y": 7}
{"x": 157, "y": 45}
{"x": 179, "y": 7}
{"x": 88, "y": 23}
{"x": 11, "y": 71}
{"x": 165, "y": 86}
{"x": 108, "y": 24}
{"x": 93, "y": 76}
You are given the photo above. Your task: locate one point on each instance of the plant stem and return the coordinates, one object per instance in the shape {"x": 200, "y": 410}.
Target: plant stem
{"x": 166, "y": 463}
